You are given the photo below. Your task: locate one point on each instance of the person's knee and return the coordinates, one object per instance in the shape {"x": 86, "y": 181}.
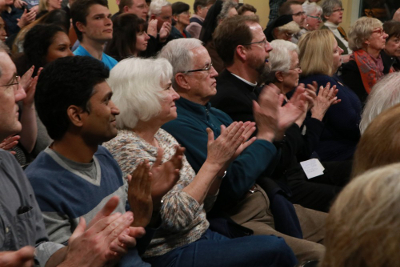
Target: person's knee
{"x": 279, "y": 253}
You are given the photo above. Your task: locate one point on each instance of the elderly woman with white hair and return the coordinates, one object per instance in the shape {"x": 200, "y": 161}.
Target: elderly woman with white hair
{"x": 366, "y": 67}
{"x": 303, "y": 136}
{"x": 313, "y": 19}
{"x": 143, "y": 92}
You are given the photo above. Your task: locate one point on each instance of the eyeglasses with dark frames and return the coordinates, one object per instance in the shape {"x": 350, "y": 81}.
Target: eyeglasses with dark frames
{"x": 264, "y": 42}
{"x": 338, "y": 10}
{"x": 300, "y": 13}
{"x": 15, "y": 81}
{"x": 207, "y": 67}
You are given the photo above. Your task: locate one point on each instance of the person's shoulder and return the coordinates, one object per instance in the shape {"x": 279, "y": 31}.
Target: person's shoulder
{"x": 80, "y": 51}
{"x": 110, "y": 62}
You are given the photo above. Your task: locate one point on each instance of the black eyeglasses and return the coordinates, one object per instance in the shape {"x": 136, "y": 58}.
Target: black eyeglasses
{"x": 338, "y": 10}
{"x": 264, "y": 42}
{"x": 300, "y": 13}
{"x": 207, "y": 67}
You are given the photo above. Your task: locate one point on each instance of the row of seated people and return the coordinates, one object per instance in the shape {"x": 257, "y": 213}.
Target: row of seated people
{"x": 76, "y": 154}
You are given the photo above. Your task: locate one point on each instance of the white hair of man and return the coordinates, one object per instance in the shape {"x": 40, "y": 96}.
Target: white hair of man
{"x": 280, "y": 55}
{"x": 137, "y": 85}
{"x": 156, "y": 6}
{"x": 311, "y": 8}
{"x": 179, "y": 53}
{"x": 384, "y": 94}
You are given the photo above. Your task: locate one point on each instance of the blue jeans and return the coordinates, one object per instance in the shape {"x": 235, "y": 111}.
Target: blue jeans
{"x": 213, "y": 249}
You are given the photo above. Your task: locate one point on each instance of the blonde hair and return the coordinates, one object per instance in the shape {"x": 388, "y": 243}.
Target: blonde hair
{"x": 363, "y": 224}
{"x": 43, "y": 5}
{"x": 291, "y": 27}
{"x": 316, "y": 52}
{"x": 380, "y": 143}
{"x": 361, "y": 31}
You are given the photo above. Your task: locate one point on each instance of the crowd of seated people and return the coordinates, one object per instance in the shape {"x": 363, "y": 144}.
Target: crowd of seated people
{"x": 151, "y": 137}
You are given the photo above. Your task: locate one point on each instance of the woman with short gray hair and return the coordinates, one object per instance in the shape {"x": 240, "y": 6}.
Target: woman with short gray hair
{"x": 332, "y": 15}
{"x": 366, "y": 67}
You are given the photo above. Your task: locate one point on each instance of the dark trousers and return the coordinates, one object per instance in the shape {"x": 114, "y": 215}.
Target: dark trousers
{"x": 318, "y": 193}
{"x": 213, "y": 249}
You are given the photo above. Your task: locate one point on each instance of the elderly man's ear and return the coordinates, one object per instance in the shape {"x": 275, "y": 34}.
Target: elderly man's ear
{"x": 181, "y": 81}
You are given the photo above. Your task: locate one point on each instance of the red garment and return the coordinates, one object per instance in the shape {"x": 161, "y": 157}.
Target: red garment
{"x": 371, "y": 70}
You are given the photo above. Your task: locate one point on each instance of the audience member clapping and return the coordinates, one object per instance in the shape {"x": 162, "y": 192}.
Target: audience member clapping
{"x": 57, "y": 17}
{"x": 319, "y": 61}
{"x": 143, "y": 90}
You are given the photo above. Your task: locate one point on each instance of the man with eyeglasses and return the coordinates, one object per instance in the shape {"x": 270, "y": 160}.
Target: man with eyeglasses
{"x": 240, "y": 197}
{"x": 242, "y": 46}
{"x": 295, "y": 9}
{"x": 21, "y": 222}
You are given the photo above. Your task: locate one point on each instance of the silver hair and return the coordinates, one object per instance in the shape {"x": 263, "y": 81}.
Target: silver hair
{"x": 179, "y": 53}
{"x": 328, "y": 6}
{"x": 136, "y": 85}
{"x": 156, "y": 6}
{"x": 226, "y": 6}
{"x": 311, "y": 8}
{"x": 384, "y": 94}
{"x": 279, "y": 58}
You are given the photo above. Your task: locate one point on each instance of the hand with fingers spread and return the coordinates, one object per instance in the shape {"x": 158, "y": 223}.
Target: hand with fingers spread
{"x": 29, "y": 85}
{"x": 23, "y": 257}
{"x": 222, "y": 149}
{"x": 26, "y": 18}
{"x": 139, "y": 194}
{"x": 266, "y": 112}
{"x": 9, "y": 143}
{"x": 310, "y": 91}
{"x": 98, "y": 245}
{"x": 107, "y": 237}
{"x": 326, "y": 97}
{"x": 152, "y": 28}
{"x": 165, "y": 31}
{"x": 249, "y": 129}
{"x": 292, "y": 110}
{"x": 165, "y": 175}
